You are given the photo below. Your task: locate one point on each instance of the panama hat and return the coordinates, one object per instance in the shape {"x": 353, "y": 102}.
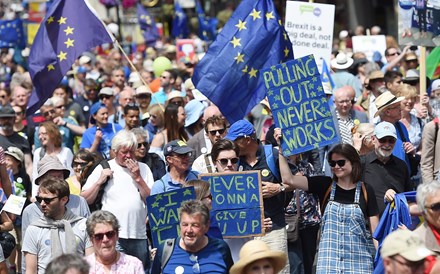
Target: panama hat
{"x": 255, "y": 250}
{"x": 342, "y": 61}
{"x": 385, "y": 100}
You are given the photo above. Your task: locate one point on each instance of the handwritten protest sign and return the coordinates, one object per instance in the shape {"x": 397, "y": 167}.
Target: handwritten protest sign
{"x": 299, "y": 105}
{"x": 237, "y": 203}
{"x": 163, "y": 213}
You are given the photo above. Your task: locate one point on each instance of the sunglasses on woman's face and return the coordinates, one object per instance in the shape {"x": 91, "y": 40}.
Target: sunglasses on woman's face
{"x": 225, "y": 161}
{"x": 109, "y": 234}
{"x": 340, "y": 163}
{"x": 434, "y": 207}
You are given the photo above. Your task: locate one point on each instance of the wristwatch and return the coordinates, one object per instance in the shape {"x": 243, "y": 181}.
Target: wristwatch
{"x": 282, "y": 188}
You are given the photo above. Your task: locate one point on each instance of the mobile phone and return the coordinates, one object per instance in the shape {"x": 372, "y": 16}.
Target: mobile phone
{"x": 413, "y": 48}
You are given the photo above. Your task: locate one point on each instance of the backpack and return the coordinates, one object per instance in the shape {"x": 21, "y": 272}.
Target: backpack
{"x": 168, "y": 248}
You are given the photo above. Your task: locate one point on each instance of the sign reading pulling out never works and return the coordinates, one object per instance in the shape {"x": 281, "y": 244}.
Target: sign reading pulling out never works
{"x": 237, "y": 204}
{"x": 299, "y": 105}
{"x": 163, "y": 213}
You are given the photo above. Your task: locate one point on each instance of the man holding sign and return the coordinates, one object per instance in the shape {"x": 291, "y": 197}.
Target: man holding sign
{"x": 255, "y": 156}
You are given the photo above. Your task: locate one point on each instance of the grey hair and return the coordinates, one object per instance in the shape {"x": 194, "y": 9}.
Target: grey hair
{"x": 66, "y": 262}
{"x": 194, "y": 207}
{"x": 424, "y": 190}
{"x": 48, "y": 103}
{"x": 124, "y": 138}
{"x": 101, "y": 217}
{"x": 140, "y": 132}
{"x": 56, "y": 100}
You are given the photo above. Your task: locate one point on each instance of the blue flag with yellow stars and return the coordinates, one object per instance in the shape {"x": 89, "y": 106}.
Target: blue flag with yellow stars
{"x": 207, "y": 27}
{"x": 180, "y": 23}
{"x": 147, "y": 25}
{"x": 229, "y": 73}
{"x": 69, "y": 29}
{"x": 12, "y": 34}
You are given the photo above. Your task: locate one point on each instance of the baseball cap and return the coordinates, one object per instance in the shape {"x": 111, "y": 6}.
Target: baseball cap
{"x": 240, "y": 128}
{"x": 405, "y": 243}
{"x": 384, "y": 129}
{"x": 176, "y": 146}
{"x": 106, "y": 91}
{"x": 435, "y": 85}
{"x": 7, "y": 112}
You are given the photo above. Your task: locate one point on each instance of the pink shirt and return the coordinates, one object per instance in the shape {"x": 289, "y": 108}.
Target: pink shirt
{"x": 125, "y": 264}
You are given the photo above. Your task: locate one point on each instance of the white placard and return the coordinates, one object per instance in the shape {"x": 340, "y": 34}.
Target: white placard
{"x": 14, "y": 204}
{"x": 310, "y": 28}
{"x": 369, "y": 44}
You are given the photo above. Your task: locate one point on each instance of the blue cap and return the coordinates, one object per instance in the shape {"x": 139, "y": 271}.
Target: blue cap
{"x": 176, "y": 146}
{"x": 94, "y": 109}
{"x": 240, "y": 128}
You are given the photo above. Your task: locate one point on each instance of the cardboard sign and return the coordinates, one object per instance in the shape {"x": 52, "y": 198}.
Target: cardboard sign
{"x": 14, "y": 204}
{"x": 185, "y": 51}
{"x": 370, "y": 44}
{"x": 310, "y": 28}
{"x": 237, "y": 203}
{"x": 299, "y": 105}
{"x": 163, "y": 213}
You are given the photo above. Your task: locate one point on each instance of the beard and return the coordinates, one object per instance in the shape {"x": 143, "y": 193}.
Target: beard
{"x": 384, "y": 153}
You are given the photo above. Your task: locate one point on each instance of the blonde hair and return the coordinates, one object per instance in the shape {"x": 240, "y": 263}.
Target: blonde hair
{"x": 407, "y": 91}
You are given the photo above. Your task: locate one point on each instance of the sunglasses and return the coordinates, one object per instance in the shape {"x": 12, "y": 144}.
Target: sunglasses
{"x": 109, "y": 234}
{"x": 340, "y": 163}
{"x": 82, "y": 164}
{"x": 389, "y": 140}
{"x": 196, "y": 267}
{"x": 214, "y": 132}
{"x": 46, "y": 200}
{"x": 49, "y": 112}
{"x": 143, "y": 96}
{"x": 393, "y": 54}
{"x": 225, "y": 161}
{"x": 434, "y": 207}
{"x": 144, "y": 144}
{"x": 105, "y": 96}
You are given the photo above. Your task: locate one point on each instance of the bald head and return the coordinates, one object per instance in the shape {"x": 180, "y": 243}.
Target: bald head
{"x": 211, "y": 111}
{"x": 342, "y": 98}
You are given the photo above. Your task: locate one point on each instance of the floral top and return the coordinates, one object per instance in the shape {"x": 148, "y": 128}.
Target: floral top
{"x": 125, "y": 264}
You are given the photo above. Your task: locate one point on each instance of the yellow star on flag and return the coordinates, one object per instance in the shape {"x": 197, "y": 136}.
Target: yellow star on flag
{"x": 269, "y": 15}
{"x": 236, "y": 42}
{"x": 279, "y": 22}
{"x": 253, "y": 73}
{"x": 69, "y": 42}
{"x": 241, "y": 25}
{"x": 62, "y": 20}
{"x": 239, "y": 58}
{"x": 255, "y": 14}
{"x": 286, "y": 52}
{"x": 285, "y": 36}
{"x": 50, "y": 67}
{"x": 187, "y": 192}
{"x": 50, "y": 20}
{"x": 69, "y": 30}
{"x": 62, "y": 56}
{"x": 245, "y": 70}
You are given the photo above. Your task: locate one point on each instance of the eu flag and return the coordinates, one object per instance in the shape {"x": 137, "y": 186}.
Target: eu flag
{"x": 251, "y": 40}
{"x": 180, "y": 23}
{"x": 147, "y": 25}
{"x": 69, "y": 29}
{"x": 207, "y": 27}
{"x": 327, "y": 81}
{"x": 12, "y": 34}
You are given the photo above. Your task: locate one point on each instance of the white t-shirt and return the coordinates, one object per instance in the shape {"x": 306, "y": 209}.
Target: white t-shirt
{"x": 122, "y": 198}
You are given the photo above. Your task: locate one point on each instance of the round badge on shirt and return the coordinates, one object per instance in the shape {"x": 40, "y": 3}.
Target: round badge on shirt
{"x": 265, "y": 172}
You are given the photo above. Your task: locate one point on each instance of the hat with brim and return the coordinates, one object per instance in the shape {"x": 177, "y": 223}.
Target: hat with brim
{"x": 241, "y": 128}
{"x": 7, "y": 112}
{"x": 255, "y": 250}
{"x": 16, "y": 153}
{"x": 94, "y": 109}
{"x": 194, "y": 110}
{"x": 413, "y": 77}
{"x": 410, "y": 57}
{"x": 342, "y": 61}
{"x": 385, "y": 100}
{"x": 376, "y": 75}
{"x": 176, "y": 146}
{"x": 405, "y": 243}
{"x": 106, "y": 91}
{"x": 47, "y": 164}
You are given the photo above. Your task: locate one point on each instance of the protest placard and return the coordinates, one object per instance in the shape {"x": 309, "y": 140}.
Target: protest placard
{"x": 163, "y": 213}
{"x": 310, "y": 28}
{"x": 299, "y": 105}
{"x": 369, "y": 44}
{"x": 14, "y": 204}
{"x": 237, "y": 203}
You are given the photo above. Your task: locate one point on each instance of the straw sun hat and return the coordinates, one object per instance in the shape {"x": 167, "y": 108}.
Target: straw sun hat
{"x": 255, "y": 250}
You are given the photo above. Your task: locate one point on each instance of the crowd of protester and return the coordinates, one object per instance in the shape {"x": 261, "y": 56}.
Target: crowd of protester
{"x": 111, "y": 135}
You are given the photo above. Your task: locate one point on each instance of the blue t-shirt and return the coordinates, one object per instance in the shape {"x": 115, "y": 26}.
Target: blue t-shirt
{"x": 166, "y": 184}
{"x": 215, "y": 257}
{"x": 109, "y": 131}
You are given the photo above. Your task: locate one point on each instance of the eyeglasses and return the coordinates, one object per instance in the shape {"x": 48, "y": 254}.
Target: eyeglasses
{"x": 434, "y": 207}
{"x": 144, "y": 144}
{"x": 389, "y": 140}
{"x": 340, "y": 163}
{"x": 219, "y": 131}
{"x": 49, "y": 112}
{"x": 344, "y": 102}
{"x": 46, "y": 200}
{"x": 393, "y": 54}
{"x": 225, "y": 161}
{"x": 109, "y": 234}
{"x": 196, "y": 267}
{"x": 104, "y": 96}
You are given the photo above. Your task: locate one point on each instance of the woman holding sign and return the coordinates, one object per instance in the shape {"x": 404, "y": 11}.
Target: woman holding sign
{"x": 345, "y": 243}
